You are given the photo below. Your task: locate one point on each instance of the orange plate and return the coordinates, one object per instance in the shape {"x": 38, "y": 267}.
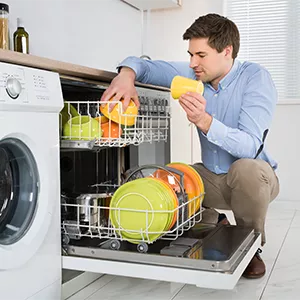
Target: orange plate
{"x": 191, "y": 185}
{"x": 200, "y": 182}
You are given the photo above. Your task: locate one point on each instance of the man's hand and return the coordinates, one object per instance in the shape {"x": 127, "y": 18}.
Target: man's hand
{"x": 194, "y": 105}
{"x": 122, "y": 86}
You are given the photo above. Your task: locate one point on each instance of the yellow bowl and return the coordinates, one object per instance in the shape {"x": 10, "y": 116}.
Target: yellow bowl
{"x": 127, "y": 118}
{"x": 181, "y": 85}
{"x": 67, "y": 113}
{"x": 82, "y": 128}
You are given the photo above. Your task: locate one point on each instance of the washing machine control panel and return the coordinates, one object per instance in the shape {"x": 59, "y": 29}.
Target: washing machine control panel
{"x": 13, "y": 87}
{"x": 29, "y": 89}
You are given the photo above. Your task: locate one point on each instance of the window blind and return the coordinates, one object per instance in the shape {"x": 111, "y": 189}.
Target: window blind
{"x": 270, "y": 36}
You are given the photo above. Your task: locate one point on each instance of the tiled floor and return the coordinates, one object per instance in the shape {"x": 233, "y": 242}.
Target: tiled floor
{"x": 282, "y": 281}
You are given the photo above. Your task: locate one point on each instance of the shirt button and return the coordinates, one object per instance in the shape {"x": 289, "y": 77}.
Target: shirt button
{"x": 217, "y": 166}
{"x": 216, "y": 95}
{"x": 215, "y": 151}
{"x": 213, "y": 115}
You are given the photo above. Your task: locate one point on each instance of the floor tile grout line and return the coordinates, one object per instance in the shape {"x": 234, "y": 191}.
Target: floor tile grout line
{"x": 114, "y": 276}
{"x": 91, "y": 284}
{"x": 173, "y": 297}
{"x": 84, "y": 287}
{"x": 277, "y": 256}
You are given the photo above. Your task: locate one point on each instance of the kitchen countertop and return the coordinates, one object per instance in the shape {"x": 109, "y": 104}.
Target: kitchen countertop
{"x": 63, "y": 68}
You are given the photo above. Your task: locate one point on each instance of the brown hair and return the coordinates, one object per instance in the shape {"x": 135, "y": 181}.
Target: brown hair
{"x": 220, "y": 31}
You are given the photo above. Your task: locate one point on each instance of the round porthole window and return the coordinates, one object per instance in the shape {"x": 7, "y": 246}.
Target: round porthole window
{"x": 19, "y": 188}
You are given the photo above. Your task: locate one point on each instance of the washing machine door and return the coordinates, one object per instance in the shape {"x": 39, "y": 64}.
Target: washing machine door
{"x": 19, "y": 188}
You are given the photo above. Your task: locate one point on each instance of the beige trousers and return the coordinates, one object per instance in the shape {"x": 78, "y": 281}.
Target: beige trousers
{"x": 247, "y": 189}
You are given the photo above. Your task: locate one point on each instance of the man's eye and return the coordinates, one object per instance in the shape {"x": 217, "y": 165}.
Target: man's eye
{"x": 202, "y": 56}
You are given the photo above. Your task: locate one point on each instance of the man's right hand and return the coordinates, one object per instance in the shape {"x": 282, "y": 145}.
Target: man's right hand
{"x": 122, "y": 86}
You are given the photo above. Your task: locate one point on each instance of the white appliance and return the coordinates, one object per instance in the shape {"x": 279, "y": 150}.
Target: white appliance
{"x": 208, "y": 256}
{"x": 30, "y": 252}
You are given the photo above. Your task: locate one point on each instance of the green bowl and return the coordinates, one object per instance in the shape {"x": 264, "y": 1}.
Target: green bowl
{"x": 82, "y": 128}
{"x": 67, "y": 113}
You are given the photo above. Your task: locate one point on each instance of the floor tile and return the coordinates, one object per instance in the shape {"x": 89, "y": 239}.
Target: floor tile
{"x": 92, "y": 288}
{"x": 125, "y": 288}
{"x": 284, "y": 282}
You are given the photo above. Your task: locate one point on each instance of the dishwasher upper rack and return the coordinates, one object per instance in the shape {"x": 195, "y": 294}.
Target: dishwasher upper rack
{"x": 151, "y": 124}
{"x": 92, "y": 221}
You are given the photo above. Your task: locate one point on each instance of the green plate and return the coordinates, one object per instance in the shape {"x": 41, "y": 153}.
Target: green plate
{"x": 142, "y": 194}
{"x": 169, "y": 198}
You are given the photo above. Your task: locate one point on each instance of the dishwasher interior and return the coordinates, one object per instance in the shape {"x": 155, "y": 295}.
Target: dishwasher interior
{"x": 94, "y": 170}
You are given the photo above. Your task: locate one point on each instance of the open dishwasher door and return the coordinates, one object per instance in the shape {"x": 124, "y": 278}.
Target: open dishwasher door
{"x": 207, "y": 256}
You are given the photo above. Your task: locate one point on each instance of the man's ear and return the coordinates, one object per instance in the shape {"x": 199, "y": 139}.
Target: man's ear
{"x": 228, "y": 51}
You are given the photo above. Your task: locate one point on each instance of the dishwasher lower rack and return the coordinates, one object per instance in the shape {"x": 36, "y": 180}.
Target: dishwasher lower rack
{"x": 91, "y": 218}
{"x": 82, "y": 124}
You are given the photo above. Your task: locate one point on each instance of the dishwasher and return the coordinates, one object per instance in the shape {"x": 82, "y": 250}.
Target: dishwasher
{"x": 93, "y": 170}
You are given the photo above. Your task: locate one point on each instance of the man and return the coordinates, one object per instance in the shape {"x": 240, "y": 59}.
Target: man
{"x": 233, "y": 117}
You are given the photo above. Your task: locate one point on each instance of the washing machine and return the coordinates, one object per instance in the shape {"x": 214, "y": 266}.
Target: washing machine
{"x": 30, "y": 251}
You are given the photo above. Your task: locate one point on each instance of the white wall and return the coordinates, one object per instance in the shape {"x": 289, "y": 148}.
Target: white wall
{"x": 164, "y": 41}
{"x": 283, "y": 143}
{"x": 94, "y": 33}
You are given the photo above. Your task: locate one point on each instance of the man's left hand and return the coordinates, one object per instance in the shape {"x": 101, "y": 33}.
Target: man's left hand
{"x": 194, "y": 105}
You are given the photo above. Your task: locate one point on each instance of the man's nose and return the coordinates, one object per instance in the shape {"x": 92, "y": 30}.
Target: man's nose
{"x": 193, "y": 62}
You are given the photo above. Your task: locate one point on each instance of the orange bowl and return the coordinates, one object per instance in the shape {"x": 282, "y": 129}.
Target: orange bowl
{"x": 111, "y": 130}
{"x": 127, "y": 118}
{"x": 168, "y": 178}
{"x": 102, "y": 119}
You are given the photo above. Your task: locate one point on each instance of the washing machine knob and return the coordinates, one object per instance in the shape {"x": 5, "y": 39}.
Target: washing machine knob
{"x": 13, "y": 87}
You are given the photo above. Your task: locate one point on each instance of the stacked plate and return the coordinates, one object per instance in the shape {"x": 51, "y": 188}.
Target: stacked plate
{"x": 143, "y": 209}
{"x": 155, "y": 200}
{"x": 193, "y": 186}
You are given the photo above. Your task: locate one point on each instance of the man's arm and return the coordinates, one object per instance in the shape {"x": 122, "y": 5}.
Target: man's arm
{"x": 259, "y": 101}
{"x": 156, "y": 72}
{"x": 133, "y": 69}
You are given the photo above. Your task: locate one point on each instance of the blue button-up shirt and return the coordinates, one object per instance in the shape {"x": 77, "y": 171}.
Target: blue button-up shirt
{"x": 242, "y": 108}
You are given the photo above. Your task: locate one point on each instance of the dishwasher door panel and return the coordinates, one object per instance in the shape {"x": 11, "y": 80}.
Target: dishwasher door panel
{"x": 223, "y": 255}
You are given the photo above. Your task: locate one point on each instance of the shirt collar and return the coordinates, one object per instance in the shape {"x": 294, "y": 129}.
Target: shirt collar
{"x": 230, "y": 76}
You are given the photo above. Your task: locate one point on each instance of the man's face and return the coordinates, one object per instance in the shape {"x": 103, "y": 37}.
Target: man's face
{"x": 208, "y": 64}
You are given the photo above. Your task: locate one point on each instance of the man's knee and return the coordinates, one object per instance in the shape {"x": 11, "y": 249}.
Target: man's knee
{"x": 246, "y": 172}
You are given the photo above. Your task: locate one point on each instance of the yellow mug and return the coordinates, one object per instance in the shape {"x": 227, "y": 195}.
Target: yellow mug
{"x": 181, "y": 85}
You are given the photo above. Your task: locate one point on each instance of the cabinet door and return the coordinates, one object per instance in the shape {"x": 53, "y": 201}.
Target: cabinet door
{"x": 181, "y": 134}
{"x": 195, "y": 146}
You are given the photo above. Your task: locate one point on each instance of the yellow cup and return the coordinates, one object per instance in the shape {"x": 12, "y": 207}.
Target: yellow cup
{"x": 181, "y": 85}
